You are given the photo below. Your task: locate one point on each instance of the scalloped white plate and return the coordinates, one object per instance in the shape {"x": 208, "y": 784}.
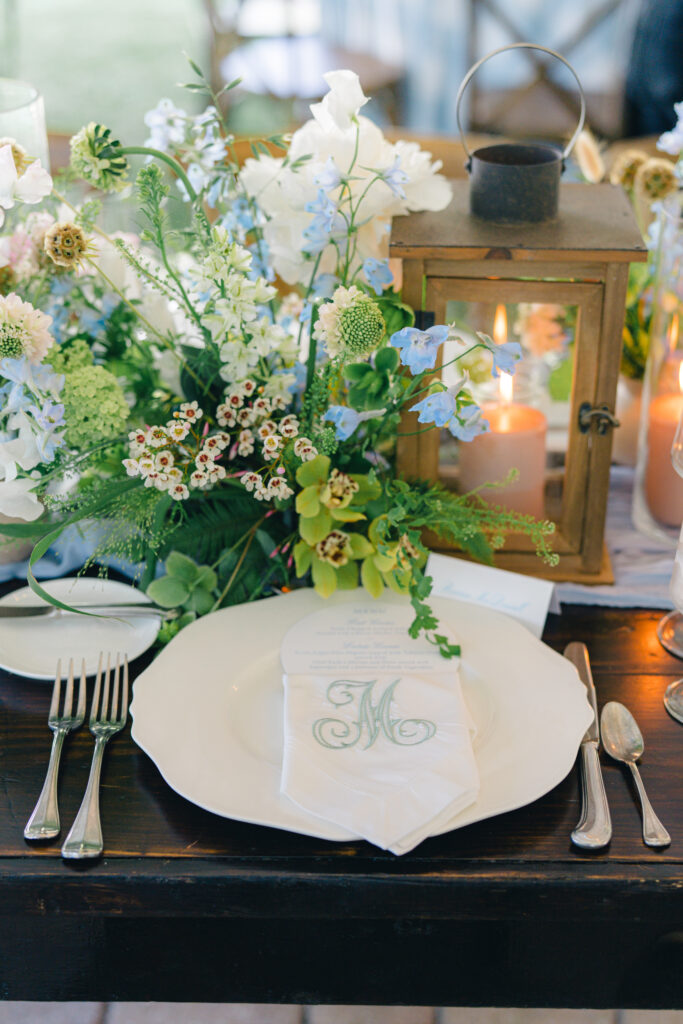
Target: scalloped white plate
{"x": 208, "y": 711}
{"x": 32, "y": 647}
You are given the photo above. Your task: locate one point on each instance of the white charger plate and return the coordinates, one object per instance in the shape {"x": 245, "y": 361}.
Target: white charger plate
{"x": 32, "y": 647}
{"x": 208, "y": 711}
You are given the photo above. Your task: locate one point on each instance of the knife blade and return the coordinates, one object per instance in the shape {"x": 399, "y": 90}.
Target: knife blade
{"x": 28, "y": 611}
{"x": 594, "y": 828}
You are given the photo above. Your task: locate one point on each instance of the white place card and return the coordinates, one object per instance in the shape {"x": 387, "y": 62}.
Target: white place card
{"x": 525, "y": 598}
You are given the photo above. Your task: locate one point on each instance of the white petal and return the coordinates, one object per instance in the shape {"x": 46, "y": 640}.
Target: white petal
{"x": 341, "y": 103}
{"x": 34, "y": 184}
{"x": 18, "y": 501}
{"x": 8, "y": 176}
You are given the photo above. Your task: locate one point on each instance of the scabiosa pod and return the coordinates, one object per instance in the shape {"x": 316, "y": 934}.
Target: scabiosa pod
{"x": 67, "y": 245}
{"x": 99, "y": 159}
{"x": 351, "y": 325}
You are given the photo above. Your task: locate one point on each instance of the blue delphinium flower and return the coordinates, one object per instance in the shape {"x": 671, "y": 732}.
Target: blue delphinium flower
{"x": 419, "y": 348}
{"x": 316, "y": 236}
{"x": 377, "y": 274}
{"x": 504, "y": 356}
{"x": 324, "y": 210}
{"x": 468, "y": 423}
{"x": 395, "y": 178}
{"x": 329, "y": 177}
{"x": 325, "y": 285}
{"x": 347, "y": 420}
{"x": 438, "y": 408}
{"x": 50, "y": 416}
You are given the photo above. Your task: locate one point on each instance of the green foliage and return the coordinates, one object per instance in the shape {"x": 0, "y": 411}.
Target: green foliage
{"x": 94, "y": 407}
{"x": 185, "y": 585}
{"x": 397, "y": 314}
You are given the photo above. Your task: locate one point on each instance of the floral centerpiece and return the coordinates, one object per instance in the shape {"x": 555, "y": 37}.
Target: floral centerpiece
{"x": 217, "y": 401}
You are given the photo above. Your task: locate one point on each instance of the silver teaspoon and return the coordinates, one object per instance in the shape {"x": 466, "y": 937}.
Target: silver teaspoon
{"x": 673, "y": 700}
{"x": 623, "y": 740}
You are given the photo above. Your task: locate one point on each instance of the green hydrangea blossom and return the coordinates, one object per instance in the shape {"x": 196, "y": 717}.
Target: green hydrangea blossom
{"x": 69, "y": 357}
{"x": 94, "y": 407}
{"x": 98, "y": 159}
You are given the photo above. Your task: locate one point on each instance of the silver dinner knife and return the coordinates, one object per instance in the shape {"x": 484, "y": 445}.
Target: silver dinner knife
{"x": 594, "y": 829}
{"x": 29, "y": 611}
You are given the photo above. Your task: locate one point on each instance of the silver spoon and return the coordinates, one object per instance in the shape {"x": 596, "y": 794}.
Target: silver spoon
{"x": 623, "y": 740}
{"x": 673, "y": 700}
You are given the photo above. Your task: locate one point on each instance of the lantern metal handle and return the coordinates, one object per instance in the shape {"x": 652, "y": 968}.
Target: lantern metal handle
{"x": 520, "y": 46}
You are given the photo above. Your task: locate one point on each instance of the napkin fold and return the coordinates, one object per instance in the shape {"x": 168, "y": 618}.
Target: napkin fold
{"x": 377, "y": 736}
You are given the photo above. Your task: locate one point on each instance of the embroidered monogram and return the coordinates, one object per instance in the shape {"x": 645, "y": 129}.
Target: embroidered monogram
{"x": 371, "y": 718}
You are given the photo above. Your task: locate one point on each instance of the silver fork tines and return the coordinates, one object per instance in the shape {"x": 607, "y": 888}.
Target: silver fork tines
{"x": 44, "y": 822}
{"x": 107, "y": 717}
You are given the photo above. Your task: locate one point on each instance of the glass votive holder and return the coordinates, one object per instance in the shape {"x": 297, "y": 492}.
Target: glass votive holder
{"x": 658, "y": 491}
{"x": 22, "y": 117}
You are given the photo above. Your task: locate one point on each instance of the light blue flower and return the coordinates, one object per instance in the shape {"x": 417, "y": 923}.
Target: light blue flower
{"x": 504, "y": 356}
{"x": 395, "y": 178}
{"x": 323, "y": 208}
{"x": 419, "y": 348}
{"x": 316, "y": 236}
{"x": 377, "y": 274}
{"x": 50, "y": 416}
{"x": 167, "y": 124}
{"x": 438, "y": 409}
{"x": 329, "y": 178}
{"x": 47, "y": 443}
{"x": 325, "y": 285}
{"x": 468, "y": 423}
{"x": 347, "y": 420}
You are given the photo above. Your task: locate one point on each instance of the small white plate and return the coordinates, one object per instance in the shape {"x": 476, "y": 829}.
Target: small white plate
{"x": 32, "y": 647}
{"x": 208, "y": 711}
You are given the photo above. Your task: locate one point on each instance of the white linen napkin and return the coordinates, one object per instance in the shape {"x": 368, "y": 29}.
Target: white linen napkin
{"x": 378, "y": 738}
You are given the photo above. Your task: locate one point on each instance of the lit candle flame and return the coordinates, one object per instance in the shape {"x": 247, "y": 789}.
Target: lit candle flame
{"x": 500, "y": 325}
{"x": 506, "y": 386}
{"x": 673, "y": 334}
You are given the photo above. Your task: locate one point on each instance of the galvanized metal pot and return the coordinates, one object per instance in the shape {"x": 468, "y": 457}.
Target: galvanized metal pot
{"x": 517, "y": 183}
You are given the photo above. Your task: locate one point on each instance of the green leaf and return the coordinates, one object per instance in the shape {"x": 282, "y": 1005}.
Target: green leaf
{"x": 200, "y": 601}
{"x": 477, "y": 546}
{"x": 206, "y": 578}
{"x": 347, "y": 576}
{"x": 316, "y": 528}
{"x": 346, "y": 515}
{"x": 314, "y": 472}
{"x": 385, "y": 563}
{"x": 360, "y": 546}
{"x": 168, "y": 592}
{"x": 387, "y": 359}
{"x": 355, "y": 372}
{"x": 371, "y": 578}
{"x": 396, "y": 313}
{"x": 303, "y": 555}
{"x": 307, "y": 503}
{"x": 358, "y": 398}
{"x": 182, "y": 567}
{"x": 324, "y": 577}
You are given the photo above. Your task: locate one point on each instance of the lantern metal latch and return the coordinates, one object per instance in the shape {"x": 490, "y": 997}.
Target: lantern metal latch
{"x": 604, "y": 418}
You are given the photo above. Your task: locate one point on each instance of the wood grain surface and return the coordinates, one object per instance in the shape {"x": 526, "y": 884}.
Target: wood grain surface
{"x": 515, "y": 880}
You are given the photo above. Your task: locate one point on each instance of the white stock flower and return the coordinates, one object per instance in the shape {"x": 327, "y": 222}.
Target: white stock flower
{"x": 342, "y": 103}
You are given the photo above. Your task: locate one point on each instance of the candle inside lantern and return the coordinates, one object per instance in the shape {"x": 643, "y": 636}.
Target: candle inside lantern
{"x": 515, "y": 439}
{"x": 663, "y": 486}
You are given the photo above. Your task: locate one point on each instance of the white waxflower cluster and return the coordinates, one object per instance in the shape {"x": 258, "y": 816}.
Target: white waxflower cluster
{"x": 276, "y": 487}
{"x": 171, "y": 456}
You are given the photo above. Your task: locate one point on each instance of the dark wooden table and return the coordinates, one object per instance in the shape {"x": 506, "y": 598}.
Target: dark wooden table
{"x": 189, "y": 906}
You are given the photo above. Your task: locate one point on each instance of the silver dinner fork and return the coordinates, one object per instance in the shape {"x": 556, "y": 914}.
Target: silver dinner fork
{"x": 44, "y": 822}
{"x": 107, "y": 717}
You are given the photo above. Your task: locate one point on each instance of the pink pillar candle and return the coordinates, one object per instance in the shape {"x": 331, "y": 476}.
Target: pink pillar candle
{"x": 663, "y": 486}
{"x": 516, "y": 439}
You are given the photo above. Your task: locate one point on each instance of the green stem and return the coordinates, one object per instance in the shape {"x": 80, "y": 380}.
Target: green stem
{"x": 237, "y": 568}
{"x": 157, "y": 523}
{"x": 174, "y": 164}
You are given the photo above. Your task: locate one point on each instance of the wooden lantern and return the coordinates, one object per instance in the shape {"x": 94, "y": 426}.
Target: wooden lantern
{"x": 580, "y": 260}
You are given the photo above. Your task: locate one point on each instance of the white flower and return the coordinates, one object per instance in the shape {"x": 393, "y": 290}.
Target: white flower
{"x": 20, "y": 452}
{"x": 189, "y": 411}
{"x": 342, "y": 103}
{"x": 261, "y": 407}
{"x": 179, "y": 492}
{"x": 157, "y": 437}
{"x": 672, "y": 142}
{"x": 279, "y": 488}
{"x": 245, "y": 417}
{"x": 178, "y": 429}
{"x": 238, "y": 360}
{"x": 199, "y": 479}
{"x": 304, "y": 449}
{"x": 203, "y": 460}
{"x": 252, "y": 480}
{"x": 17, "y": 500}
{"x": 225, "y": 417}
{"x": 266, "y": 429}
{"x": 289, "y": 426}
{"x": 163, "y": 461}
{"x": 271, "y": 446}
{"x": 175, "y": 475}
{"x": 215, "y": 472}
{"x": 30, "y": 187}
{"x": 132, "y": 467}
{"x": 146, "y": 465}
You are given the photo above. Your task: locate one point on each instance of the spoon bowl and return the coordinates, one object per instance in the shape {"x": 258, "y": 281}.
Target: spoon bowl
{"x": 623, "y": 741}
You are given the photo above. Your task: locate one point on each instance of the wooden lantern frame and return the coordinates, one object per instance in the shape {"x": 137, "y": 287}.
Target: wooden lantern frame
{"x": 581, "y": 259}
